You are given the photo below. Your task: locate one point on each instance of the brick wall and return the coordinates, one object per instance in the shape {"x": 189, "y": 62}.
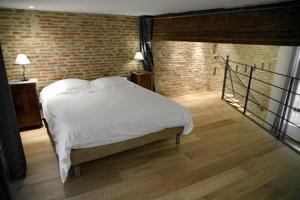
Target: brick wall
{"x": 88, "y": 46}
{"x": 181, "y": 67}
{"x": 62, "y": 45}
{"x": 187, "y": 67}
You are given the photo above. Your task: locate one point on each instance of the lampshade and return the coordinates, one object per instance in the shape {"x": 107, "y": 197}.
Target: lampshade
{"x": 138, "y": 56}
{"x": 22, "y": 59}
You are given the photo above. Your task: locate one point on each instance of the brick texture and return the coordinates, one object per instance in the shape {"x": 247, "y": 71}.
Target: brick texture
{"x": 187, "y": 67}
{"x": 62, "y": 45}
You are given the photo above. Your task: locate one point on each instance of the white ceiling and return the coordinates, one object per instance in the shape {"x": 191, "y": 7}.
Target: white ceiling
{"x": 130, "y": 7}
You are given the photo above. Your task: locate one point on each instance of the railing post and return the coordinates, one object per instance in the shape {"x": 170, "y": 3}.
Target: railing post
{"x": 248, "y": 90}
{"x": 225, "y": 76}
{"x": 229, "y": 69}
{"x": 279, "y": 135}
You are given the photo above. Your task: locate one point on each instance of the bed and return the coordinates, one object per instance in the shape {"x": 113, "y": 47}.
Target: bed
{"x": 87, "y": 120}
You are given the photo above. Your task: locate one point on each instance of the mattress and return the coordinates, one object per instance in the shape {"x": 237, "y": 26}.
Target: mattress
{"x": 83, "y": 114}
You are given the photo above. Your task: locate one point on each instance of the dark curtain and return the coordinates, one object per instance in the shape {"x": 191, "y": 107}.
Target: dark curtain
{"x": 4, "y": 187}
{"x": 11, "y": 150}
{"x": 145, "y": 42}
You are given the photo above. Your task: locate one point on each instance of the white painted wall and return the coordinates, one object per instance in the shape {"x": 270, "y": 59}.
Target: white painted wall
{"x": 284, "y": 60}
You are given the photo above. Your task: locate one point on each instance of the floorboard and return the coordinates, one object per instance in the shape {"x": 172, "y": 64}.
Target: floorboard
{"x": 226, "y": 156}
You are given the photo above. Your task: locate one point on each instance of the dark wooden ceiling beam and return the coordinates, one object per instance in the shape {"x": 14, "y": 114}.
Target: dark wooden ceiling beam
{"x": 276, "y": 24}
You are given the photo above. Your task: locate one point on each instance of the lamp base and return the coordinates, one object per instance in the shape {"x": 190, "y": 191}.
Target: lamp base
{"x": 24, "y": 77}
{"x": 139, "y": 68}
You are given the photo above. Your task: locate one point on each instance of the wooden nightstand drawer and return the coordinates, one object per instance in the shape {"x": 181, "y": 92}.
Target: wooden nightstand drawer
{"x": 26, "y": 103}
{"x": 144, "y": 79}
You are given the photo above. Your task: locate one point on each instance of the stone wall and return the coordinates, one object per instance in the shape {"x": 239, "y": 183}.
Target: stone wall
{"x": 61, "y": 45}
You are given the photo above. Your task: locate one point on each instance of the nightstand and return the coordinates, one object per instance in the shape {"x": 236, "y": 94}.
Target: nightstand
{"x": 26, "y": 103}
{"x": 144, "y": 79}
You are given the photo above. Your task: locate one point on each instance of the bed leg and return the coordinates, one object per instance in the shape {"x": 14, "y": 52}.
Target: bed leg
{"x": 178, "y": 139}
{"x": 76, "y": 170}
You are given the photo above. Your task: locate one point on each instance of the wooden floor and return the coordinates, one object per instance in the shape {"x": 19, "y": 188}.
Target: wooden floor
{"x": 225, "y": 157}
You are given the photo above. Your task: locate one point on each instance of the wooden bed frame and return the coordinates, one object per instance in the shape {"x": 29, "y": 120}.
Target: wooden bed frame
{"x": 79, "y": 156}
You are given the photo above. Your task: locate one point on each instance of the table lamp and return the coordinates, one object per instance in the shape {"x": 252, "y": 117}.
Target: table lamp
{"x": 138, "y": 56}
{"x": 22, "y": 60}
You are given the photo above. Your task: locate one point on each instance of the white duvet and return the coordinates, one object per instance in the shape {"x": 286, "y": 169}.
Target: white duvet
{"x": 84, "y": 114}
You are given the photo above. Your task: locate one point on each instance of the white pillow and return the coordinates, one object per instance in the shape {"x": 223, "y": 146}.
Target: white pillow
{"x": 114, "y": 82}
{"x": 65, "y": 86}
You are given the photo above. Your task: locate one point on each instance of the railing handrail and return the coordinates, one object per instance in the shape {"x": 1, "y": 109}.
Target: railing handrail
{"x": 256, "y": 68}
{"x": 276, "y": 129}
{"x": 248, "y": 88}
{"x": 245, "y": 87}
{"x": 264, "y": 82}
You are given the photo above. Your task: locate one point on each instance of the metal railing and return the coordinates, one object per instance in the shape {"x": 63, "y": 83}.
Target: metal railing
{"x": 276, "y": 129}
{"x": 240, "y": 82}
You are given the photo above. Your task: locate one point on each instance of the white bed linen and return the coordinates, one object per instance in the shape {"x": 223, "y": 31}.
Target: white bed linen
{"x": 94, "y": 116}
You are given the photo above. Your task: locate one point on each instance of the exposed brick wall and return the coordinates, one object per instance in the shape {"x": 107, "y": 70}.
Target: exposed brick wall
{"x": 88, "y": 46}
{"x": 187, "y": 67}
{"x": 62, "y": 45}
{"x": 181, "y": 67}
